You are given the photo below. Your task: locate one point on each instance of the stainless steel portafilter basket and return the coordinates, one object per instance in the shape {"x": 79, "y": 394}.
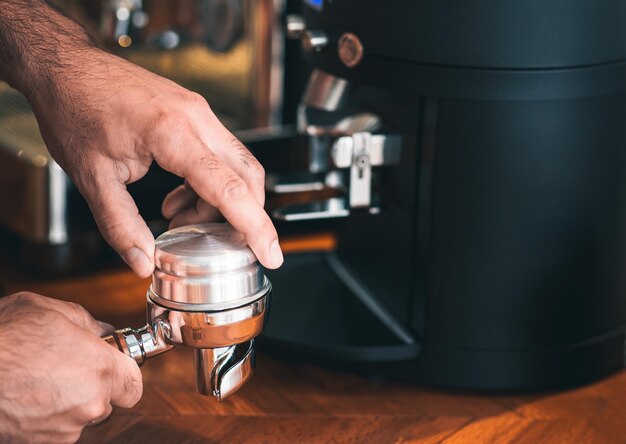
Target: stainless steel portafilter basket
{"x": 209, "y": 293}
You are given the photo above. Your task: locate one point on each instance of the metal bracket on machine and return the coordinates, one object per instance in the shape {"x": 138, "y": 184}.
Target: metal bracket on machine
{"x": 358, "y": 152}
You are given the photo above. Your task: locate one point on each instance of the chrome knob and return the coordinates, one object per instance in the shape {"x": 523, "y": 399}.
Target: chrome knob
{"x": 314, "y": 41}
{"x": 350, "y": 49}
{"x": 295, "y": 26}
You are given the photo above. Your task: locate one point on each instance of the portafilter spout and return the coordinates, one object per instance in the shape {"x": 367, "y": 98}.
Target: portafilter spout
{"x": 208, "y": 293}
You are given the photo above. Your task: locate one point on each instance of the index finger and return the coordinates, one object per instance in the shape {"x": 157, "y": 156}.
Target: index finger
{"x": 216, "y": 183}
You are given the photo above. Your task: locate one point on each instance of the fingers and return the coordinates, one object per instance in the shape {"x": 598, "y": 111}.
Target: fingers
{"x": 119, "y": 221}
{"x": 126, "y": 380}
{"x": 239, "y": 159}
{"x": 184, "y": 207}
{"x": 199, "y": 213}
{"x": 216, "y": 183}
{"x": 177, "y": 201}
{"x": 231, "y": 151}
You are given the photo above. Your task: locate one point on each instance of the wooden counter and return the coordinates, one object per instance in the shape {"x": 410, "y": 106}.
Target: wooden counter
{"x": 298, "y": 403}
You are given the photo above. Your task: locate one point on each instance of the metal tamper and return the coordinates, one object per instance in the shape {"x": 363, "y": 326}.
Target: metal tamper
{"x": 209, "y": 293}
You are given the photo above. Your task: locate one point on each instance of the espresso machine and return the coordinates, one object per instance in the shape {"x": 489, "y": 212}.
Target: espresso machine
{"x": 473, "y": 156}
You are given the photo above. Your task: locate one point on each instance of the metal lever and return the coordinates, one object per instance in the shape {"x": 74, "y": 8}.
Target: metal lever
{"x": 360, "y": 152}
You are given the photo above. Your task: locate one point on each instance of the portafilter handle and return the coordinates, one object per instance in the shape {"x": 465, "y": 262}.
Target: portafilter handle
{"x": 219, "y": 371}
{"x": 142, "y": 343}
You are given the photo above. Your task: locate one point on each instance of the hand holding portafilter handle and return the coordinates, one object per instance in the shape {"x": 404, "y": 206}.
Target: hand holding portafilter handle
{"x": 57, "y": 375}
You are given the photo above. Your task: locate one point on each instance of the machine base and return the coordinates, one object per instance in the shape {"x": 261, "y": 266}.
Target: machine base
{"x": 316, "y": 318}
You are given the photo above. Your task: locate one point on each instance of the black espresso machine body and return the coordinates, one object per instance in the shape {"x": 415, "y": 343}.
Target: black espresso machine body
{"x": 491, "y": 253}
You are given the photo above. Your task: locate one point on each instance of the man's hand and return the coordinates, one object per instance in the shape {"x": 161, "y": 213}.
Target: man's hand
{"x": 56, "y": 374}
{"x": 105, "y": 120}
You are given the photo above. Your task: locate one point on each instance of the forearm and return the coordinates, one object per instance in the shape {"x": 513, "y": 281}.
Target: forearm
{"x": 38, "y": 44}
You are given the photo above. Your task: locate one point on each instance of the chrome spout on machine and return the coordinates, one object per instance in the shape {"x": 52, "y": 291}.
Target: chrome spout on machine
{"x": 208, "y": 293}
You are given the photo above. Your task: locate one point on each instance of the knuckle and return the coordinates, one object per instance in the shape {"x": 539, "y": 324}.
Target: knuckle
{"x": 195, "y": 99}
{"x": 54, "y": 317}
{"x": 170, "y": 128}
{"x": 255, "y": 169}
{"x": 169, "y": 121}
{"x": 76, "y": 309}
{"x": 210, "y": 163}
{"x": 95, "y": 409}
{"x": 23, "y": 297}
{"x": 234, "y": 189}
{"x": 79, "y": 313}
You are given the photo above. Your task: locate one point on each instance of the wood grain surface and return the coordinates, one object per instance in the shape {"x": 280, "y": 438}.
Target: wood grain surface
{"x": 301, "y": 403}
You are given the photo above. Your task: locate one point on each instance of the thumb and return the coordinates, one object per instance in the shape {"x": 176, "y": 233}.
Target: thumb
{"x": 120, "y": 223}
{"x": 126, "y": 380}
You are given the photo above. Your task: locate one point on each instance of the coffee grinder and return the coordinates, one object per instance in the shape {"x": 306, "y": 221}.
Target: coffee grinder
{"x": 477, "y": 152}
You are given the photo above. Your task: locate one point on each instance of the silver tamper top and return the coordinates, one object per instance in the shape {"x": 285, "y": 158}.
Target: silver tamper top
{"x": 206, "y": 267}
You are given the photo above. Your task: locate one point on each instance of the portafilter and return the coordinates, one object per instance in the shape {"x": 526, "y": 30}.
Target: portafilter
{"x": 210, "y": 293}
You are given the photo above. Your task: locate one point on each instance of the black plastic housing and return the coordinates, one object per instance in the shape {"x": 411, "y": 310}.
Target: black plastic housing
{"x": 501, "y": 247}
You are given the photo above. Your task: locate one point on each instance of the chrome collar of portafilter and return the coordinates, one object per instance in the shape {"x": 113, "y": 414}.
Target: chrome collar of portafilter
{"x": 209, "y": 293}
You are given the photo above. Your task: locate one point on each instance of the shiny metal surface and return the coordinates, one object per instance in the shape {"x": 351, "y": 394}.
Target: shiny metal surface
{"x": 346, "y": 126}
{"x": 201, "y": 250}
{"x": 304, "y": 182}
{"x": 360, "y": 152}
{"x": 192, "y": 262}
{"x": 314, "y": 40}
{"x": 325, "y": 91}
{"x": 205, "y": 264}
{"x": 326, "y": 209}
{"x": 335, "y": 207}
{"x": 349, "y": 143}
{"x": 142, "y": 343}
{"x": 294, "y": 26}
{"x": 211, "y": 329}
{"x": 361, "y": 171}
{"x": 293, "y": 183}
{"x": 384, "y": 149}
{"x": 222, "y": 371}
